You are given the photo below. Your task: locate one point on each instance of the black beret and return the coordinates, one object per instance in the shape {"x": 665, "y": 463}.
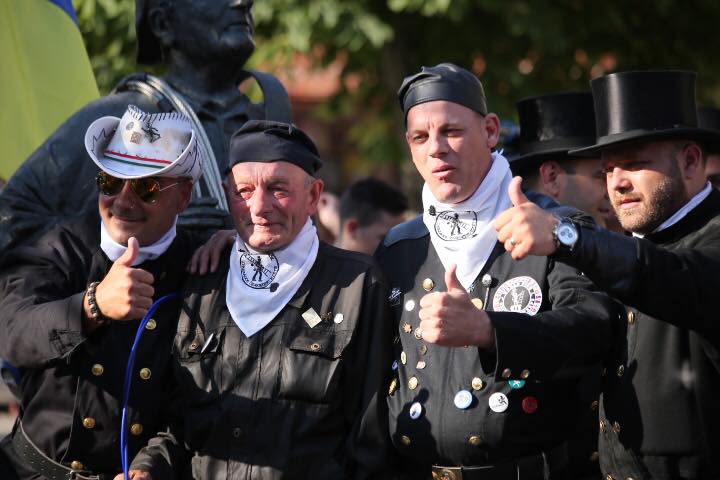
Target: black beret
{"x": 270, "y": 141}
{"x": 443, "y": 82}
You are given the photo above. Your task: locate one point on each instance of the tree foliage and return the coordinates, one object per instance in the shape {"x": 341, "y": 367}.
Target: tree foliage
{"x": 517, "y": 48}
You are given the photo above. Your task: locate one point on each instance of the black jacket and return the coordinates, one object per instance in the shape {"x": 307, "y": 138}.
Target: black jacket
{"x": 660, "y": 413}
{"x": 69, "y": 376}
{"x": 571, "y": 329}
{"x": 292, "y": 401}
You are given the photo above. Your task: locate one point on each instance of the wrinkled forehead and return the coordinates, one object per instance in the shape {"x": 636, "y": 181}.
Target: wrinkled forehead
{"x": 262, "y": 173}
{"x": 440, "y": 112}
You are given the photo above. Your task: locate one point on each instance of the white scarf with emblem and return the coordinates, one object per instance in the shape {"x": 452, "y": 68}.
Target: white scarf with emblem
{"x": 259, "y": 285}
{"x": 114, "y": 250}
{"x": 463, "y": 233}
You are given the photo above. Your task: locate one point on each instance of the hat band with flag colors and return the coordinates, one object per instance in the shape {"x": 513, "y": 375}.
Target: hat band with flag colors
{"x": 144, "y": 144}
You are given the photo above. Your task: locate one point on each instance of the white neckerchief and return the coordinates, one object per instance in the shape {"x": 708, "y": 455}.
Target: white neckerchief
{"x": 260, "y": 285}
{"x": 463, "y": 233}
{"x": 114, "y": 250}
{"x": 680, "y": 214}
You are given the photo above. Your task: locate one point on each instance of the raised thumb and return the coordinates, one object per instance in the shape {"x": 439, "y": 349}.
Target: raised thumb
{"x": 517, "y": 197}
{"x": 128, "y": 258}
{"x": 451, "y": 280}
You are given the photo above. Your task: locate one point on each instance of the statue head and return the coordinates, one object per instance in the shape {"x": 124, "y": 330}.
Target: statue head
{"x": 199, "y": 29}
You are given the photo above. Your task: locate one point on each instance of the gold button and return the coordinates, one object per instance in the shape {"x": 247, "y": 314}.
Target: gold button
{"x": 594, "y": 456}
{"x": 413, "y": 383}
{"x": 428, "y": 284}
{"x": 621, "y": 370}
{"x": 136, "y": 429}
{"x": 507, "y": 373}
{"x": 75, "y": 465}
{"x": 477, "y": 383}
{"x": 478, "y": 303}
{"x": 405, "y": 440}
{"x": 315, "y": 347}
{"x": 403, "y": 357}
{"x": 631, "y": 317}
{"x": 474, "y": 441}
{"x": 603, "y": 426}
{"x": 151, "y": 324}
{"x": 423, "y": 349}
{"x": 97, "y": 369}
{"x": 393, "y": 386}
{"x": 616, "y": 427}
{"x": 525, "y": 374}
{"x": 594, "y": 405}
{"x": 88, "y": 423}
{"x": 145, "y": 373}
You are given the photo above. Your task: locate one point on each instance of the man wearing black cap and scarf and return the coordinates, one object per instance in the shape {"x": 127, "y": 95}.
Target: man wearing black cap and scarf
{"x": 281, "y": 353}
{"x": 658, "y": 415}
{"x": 205, "y": 44}
{"x": 486, "y": 349}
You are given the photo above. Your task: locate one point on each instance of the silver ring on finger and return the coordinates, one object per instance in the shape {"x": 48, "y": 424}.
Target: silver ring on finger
{"x": 513, "y": 242}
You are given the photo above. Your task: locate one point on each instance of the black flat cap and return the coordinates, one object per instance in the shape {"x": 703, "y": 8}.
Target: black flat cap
{"x": 445, "y": 81}
{"x": 269, "y": 141}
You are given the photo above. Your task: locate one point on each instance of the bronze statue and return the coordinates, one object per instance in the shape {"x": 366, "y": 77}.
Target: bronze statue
{"x": 205, "y": 45}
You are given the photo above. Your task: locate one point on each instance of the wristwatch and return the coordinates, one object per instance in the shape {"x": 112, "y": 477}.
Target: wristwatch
{"x": 566, "y": 235}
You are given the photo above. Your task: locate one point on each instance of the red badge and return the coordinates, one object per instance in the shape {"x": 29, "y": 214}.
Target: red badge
{"x": 529, "y": 404}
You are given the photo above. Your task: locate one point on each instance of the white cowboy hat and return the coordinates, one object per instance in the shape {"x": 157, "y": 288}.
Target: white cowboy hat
{"x": 142, "y": 145}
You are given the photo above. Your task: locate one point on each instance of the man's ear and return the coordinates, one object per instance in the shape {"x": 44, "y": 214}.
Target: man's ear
{"x": 691, "y": 161}
{"x": 492, "y": 128}
{"x": 316, "y": 188}
{"x": 351, "y": 227}
{"x": 160, "y": 25}
{"x": 185, "y": 187}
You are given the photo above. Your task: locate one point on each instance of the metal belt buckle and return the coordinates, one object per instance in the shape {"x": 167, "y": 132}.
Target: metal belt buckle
{"x": 447, "y": 473}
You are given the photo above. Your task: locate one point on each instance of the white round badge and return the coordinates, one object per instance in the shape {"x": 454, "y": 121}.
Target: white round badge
{"x": 498, "y": 402}
{"x": 463, "y": 399}
{"x": 416, "y": 410}
{"x": 410, "y": 305}
{"x": 519, "y": 294}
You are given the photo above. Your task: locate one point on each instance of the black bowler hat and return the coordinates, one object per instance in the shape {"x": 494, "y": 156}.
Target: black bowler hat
{"x": 550, "y": 126}
{"x": 648, "y": 105}
{"x": 709, "y": 118}
{"x": 268, "y": 141}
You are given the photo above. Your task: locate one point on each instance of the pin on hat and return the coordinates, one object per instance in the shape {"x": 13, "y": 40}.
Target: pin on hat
{"x": 143, "y": 144}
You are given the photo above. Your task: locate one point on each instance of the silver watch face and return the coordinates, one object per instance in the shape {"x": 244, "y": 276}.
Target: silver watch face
{"x": 567, "y": 234}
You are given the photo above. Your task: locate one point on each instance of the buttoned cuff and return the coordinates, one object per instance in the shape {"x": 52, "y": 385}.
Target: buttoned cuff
{"x": 65, "y": 340}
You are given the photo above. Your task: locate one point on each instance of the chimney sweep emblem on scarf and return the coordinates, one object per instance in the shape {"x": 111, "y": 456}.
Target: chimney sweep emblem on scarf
{"x": 452, "y": 226}
{"x": 258, "y": 271}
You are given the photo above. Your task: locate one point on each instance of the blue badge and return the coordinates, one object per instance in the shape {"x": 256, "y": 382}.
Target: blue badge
{"x": 463, "y": 399}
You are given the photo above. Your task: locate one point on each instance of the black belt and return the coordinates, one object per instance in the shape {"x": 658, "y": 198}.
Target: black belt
{"x": 36, "y": 460}
{"x": 549, "y": 464}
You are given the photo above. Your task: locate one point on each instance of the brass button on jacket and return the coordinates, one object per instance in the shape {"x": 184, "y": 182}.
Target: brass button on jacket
{"x": 145, "y": 373}
{"x": 97, "y": 369}
{"x": 88, "y": 423}
{"x": 136, "y": 429}
{"x": 76, "y": 465}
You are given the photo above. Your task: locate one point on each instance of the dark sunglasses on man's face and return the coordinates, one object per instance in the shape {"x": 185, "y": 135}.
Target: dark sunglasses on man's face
{"x": 147, "y": 189}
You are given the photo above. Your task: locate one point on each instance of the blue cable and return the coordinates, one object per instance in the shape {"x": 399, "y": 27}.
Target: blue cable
{"x": 128, "y": 381}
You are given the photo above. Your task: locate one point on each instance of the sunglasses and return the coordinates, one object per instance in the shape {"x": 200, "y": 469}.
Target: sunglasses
{"x": 147, "y": 189}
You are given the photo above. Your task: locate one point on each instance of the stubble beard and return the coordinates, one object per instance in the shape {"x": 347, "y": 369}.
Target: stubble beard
{"x": 668, "y": 196}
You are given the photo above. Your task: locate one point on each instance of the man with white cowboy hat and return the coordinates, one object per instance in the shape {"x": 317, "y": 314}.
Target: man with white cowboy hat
{"x": 72, "y": 303}
{"x": 658, "y": 413}
{"x": 280, "y": 353}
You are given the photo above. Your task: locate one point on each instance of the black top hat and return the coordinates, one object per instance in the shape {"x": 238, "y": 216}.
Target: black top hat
{"x": 552, "y": 125}
{"x": 649, "y": 105}
{"x": 709, "y": 118}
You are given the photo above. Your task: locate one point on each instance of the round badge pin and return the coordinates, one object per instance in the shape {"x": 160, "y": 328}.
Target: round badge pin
{"x": 416, "y": 410}
{"x": 463, "y": 399}
{"x": 516, "y": 384}
{"x": 529, "y": 404}
{"x": 421, "y": 365}
{"x": 403, "y": 357}
{"x": 498, "y": 402}
{"x": 339, "y": 317}
{"x": 410, "y": 305}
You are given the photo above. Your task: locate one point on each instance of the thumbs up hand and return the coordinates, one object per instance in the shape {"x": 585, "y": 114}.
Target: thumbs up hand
{"x": 451, "y": 319}
{"x": 525, "y": 229}
{"x": 126, "y": 292}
